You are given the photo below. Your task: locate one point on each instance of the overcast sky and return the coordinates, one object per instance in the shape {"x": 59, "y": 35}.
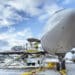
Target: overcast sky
{"x": 21, "y": 19}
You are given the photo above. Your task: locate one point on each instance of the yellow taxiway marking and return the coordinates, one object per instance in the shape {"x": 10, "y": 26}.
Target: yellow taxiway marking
{"x": 63, "y": 72}
{"x": 33, "y": 72}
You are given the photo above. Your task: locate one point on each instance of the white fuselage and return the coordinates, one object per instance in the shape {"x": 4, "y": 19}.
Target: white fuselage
{"x": 61, "y": 37}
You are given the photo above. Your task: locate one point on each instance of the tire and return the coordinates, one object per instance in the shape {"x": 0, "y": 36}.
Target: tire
{"x": 58, "y": 66}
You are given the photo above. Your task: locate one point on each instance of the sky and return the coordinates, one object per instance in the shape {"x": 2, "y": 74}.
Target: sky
{"x": 22, "y": 19}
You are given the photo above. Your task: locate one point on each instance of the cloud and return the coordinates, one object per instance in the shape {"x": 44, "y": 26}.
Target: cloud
{"x": 9, "y": 15}
{"x": 50, "y": 10}
{"x": 14, "y": 38}
{"x": 33, "y": 7}
{"x": 9, "y": 10}
{"x": 29, "y": 6}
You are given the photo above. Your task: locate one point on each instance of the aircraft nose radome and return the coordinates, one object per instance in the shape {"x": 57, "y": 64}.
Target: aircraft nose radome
{"x": 61, "y": 37}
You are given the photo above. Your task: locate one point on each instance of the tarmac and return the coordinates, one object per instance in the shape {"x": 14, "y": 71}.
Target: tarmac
{"x": 49, "y": 72}
{"x": 70, "y": 69}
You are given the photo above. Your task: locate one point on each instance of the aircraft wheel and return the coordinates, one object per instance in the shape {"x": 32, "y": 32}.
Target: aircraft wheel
{"x": 63, "y": 67}
{"x": 58, "y": 66}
